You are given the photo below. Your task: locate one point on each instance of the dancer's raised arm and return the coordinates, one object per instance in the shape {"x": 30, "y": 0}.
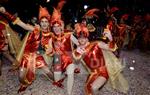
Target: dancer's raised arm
{"x": 16, "y": 20}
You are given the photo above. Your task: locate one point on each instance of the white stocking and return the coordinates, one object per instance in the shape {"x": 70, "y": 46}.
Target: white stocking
{"x": 99, "y": 82}
{"x": 70, "y": 78}
{"x": 57, "y": 75}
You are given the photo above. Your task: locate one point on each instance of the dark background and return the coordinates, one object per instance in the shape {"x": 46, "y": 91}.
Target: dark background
{"x": 74, "y": 9}
{"x": 26, "y": 9}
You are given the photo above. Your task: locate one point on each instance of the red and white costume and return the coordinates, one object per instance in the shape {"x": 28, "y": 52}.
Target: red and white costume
{"x": 93, "y": 56}
{"x": 2, "y": 36}
{"x": 31, "y": 58}
{"x": 62, "y": 46}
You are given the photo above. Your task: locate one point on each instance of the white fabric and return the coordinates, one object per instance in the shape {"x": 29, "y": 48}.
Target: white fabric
{"x": 107, "y": 33}
{"x": 74, "y": 40}
{"x": 57, "y": 76}
{"x": 70, "y": 78}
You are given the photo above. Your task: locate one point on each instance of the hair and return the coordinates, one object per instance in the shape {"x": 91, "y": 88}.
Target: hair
{"x": 56, "y": 22}
{"x": 44, "y": 17}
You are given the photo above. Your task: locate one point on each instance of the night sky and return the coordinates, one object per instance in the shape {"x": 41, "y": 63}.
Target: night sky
{"x": 73, "y": 9}
{"x": 26, "y": 9}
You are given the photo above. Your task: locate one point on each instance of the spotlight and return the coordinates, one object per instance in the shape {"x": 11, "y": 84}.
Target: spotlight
{"x": 85, "y": 7}
{"x": 47, "y": 1}
{"x": 75, "y": 20}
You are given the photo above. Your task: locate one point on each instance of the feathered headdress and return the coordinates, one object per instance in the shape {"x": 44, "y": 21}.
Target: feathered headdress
{"x": 81, "y": 30}
{"x": 113, "y": 9}
{"x": 56, "y": 16}
{"x": 91, "y": 13}
{"x": 125, "y": 16}
{"x": 109, "y": 11}
{"x": 43, "y": 12}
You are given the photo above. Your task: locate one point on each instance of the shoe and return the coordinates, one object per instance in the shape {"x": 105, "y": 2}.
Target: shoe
{"x": 22, "y": 88}
{"x": 77, "y": 71}
{"x": 58, "y": 84}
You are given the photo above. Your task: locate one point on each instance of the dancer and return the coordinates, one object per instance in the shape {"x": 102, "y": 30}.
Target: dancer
{"x": 8, "y": 40}
{"x": 62, "y": 49}
{"x": 35, "y": 47}
{"x": 100, "y": 62}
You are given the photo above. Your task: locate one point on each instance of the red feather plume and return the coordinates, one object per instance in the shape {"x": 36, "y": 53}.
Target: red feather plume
{"x": 91, "y": 13}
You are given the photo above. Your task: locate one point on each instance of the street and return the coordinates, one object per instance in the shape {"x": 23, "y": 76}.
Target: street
{"x": 136, "y": 71}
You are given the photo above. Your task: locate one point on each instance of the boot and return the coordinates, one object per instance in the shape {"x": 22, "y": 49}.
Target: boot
{"x": 59, "y": 83}
{"x": 22, "y": 88}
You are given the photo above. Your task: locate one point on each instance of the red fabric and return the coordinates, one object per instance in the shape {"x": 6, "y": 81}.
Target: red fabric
{"x": 29, "y": 64}
{"x": 110, "y": 27}
{"x": 66, "y": 60}
{"x": 31, "y": 60}
{"x": 125, "y": 16}
{"x": 2, "y": 37}
{"x": 62, "y": 46}
{"x": 10, "y": 16}
{"x": 83, "y": 31}
{"x": 94, "y": 58}
{"x": 114, "y": 9}
{"x": 92, "y": 77}
{"x": 40, "y": 62}
{"x": 43, "y": 12}
{"x": 33, "y": 41}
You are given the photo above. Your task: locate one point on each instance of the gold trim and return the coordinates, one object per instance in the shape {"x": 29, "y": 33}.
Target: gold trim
{"x": 16, "y": 21}
{"x": 84, "y": 64}
{"x": 3, "y": 23}
{"x": 46, "y": 34}
{"x": 74, "y": 56}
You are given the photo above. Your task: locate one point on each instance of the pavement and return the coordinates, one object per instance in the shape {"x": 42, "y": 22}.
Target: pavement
{"x": 136, "y": 71}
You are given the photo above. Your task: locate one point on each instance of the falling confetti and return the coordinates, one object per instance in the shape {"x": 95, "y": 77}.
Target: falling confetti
{"x": 131, "y": 68}
{"x": 133, "y": 61}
